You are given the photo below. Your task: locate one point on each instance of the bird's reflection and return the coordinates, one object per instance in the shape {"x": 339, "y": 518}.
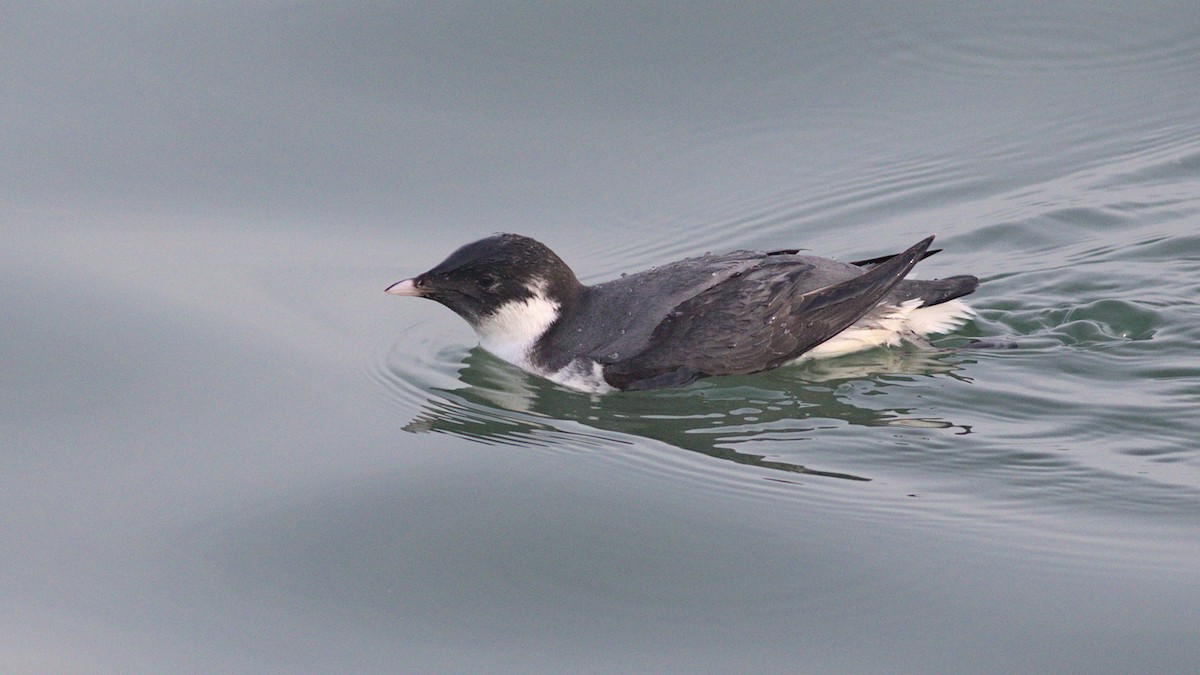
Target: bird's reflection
{"x": 503, "y": 405}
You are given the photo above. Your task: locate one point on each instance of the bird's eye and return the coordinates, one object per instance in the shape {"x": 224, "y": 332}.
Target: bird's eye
{"x": 487, "y": 282}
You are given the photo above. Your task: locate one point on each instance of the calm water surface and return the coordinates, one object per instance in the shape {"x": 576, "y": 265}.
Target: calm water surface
{"x": 227, "y": 449}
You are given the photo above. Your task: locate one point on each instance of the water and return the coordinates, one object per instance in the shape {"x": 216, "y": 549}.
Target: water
{"x": 227, "y": 449}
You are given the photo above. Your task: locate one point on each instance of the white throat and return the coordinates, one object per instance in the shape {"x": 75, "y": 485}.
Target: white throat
{"x": 512, "y": 330}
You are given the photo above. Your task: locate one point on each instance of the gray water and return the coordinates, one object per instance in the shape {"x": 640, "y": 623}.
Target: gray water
{"x": 226, "y": 449}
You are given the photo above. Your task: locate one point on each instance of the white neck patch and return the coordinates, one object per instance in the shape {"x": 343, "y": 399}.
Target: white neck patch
{"x": 512, "y": 330}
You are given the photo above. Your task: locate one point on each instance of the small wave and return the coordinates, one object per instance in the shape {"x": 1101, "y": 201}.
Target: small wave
{"x": 1006, "y": 43}
{"x": 725, "y": 418}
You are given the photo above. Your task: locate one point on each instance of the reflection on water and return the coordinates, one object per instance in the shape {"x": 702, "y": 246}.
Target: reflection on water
{"x": 718, "y": 417}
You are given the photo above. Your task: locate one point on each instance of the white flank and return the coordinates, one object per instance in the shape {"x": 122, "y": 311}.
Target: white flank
{"x": 908, "y": 319}
{"x": 941, "y": 318}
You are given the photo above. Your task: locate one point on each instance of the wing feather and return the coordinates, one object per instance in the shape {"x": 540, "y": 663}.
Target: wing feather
{"x": 770, "y": 320}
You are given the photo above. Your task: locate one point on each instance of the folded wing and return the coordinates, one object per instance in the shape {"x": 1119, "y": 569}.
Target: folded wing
{"x": 767, "y": 321}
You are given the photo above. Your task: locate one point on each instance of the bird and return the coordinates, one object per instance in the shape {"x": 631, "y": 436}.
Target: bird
{"x": 735, "y": 313}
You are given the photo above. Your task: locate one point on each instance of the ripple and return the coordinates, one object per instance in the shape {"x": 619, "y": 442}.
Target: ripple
{"x": 729, "y": 419}
{"x": 1118, "y": 165}
{"x": 1093, "y": 323}
{"x": 412, "y": 364}
{"x": 801, "y": 218}
{"x": 1006, "y": 43}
